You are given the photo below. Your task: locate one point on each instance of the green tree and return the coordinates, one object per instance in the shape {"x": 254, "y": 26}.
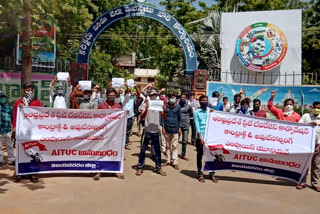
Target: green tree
{"x": 311, "y": 37}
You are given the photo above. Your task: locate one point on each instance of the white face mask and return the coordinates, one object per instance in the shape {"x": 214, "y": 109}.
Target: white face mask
{"x": 172, "y": 100}
{"x": 117, "y": 100}
{"x": 288, "y": 110}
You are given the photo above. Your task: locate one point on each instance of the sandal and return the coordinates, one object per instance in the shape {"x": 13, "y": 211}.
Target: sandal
{"x": 17, "y": 178}
{"x": 301, "y": 186}
{"x": 161, "y": 172}
{"x": 316, "y": 188}
{"x": 97, "y": 176}
{"x": 214, "y": 179}
{"x": 166, "y": 164}
{"x": 185, "y": 158}
{"x": 34, "y": 178}
{"x": 139, "y": 172}
{"x": 201, "y": 179}
{"x": 119, "y": 175}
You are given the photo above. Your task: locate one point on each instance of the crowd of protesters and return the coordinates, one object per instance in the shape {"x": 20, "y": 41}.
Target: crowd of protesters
{"x": 162, "y": 129}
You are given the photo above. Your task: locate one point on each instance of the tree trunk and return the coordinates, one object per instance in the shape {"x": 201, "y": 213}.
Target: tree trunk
{"x": 26, "y": 64}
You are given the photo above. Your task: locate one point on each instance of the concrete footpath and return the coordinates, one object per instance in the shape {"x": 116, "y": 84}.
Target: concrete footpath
{"x": 178, "y": 192}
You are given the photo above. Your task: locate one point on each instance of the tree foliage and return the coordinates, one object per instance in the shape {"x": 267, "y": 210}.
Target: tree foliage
{"x": 155, "y": 46}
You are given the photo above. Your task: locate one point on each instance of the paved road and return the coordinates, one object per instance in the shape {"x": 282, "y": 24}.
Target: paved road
{"x": 179, "y": 192}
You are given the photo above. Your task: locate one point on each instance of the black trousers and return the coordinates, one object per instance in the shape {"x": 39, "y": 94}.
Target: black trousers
{"x": 199, "y": 147}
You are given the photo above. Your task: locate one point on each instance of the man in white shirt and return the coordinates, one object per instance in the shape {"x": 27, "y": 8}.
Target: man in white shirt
{"x": 313, "y": 118}
{"x": 235, "y": 106}
{"x": 152, "y": 133}
{"x": 195, "y": 105}
{"x": 59, "y": 99}
{"x": 128, "y": 105}
{"x": 226, "y": 105}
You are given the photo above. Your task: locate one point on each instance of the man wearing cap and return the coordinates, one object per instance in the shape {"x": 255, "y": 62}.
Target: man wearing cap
{"x": 59, "y": 99}
{"x": 6, "y": 115}
{"x": 152, "y": 132}
{"x": 27, "y": 100}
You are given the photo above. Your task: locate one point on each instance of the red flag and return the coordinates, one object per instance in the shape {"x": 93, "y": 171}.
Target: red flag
{"x": 30, "y": 144}
{"x": 219, "y": 147}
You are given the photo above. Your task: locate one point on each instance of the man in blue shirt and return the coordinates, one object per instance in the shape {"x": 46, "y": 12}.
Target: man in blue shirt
{"x": 170, "y": 123}
{"x": 200, "y": 120}
{"x": 6, "y": 114}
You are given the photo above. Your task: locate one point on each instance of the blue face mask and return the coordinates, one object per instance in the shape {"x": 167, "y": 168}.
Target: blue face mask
{"x": 85, "y": 96}
{"x": 133, "y": 96}
{"x": 3, "y": 100}
{"x": 204, "y": 104}
{"x": 244, "y": 109}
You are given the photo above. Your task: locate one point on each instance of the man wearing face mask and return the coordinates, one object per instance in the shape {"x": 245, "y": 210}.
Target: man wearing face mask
{"x": 313, "y": 118}
{"x": 235, "y": 106}
{"x": 186, "y": 113}
{"x": 171, "y": 130}
{"x": 119, "y": 96}
{"x": 244, "y": 107}
{"x": 59, "y": 99}
{"x": 6, "y": 115}
{"x": 128, "y": 105}
{"x": 195, "y": 105}
{"x": 287, "y": 113}
{"x": 84, "y": 102}
{"x": 27, "y": 100}
{"x": 110, "y": 100}
{"x": 109, "y": 104}
{"x": 96, "y": 95}
{"x": 152, "y": 133}
{"x": 200, "y": 120}
{"x": 257, "y": 111}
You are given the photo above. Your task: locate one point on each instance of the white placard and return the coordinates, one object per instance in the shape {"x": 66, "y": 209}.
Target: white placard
{"x": 131, "y": 83}
{"x": 156, "y": 105}
{"x": 117, "y": 82}
{"x": 213, "y": 101}
{"x": 85, "y": 85}
{"x": 62, "y": 76}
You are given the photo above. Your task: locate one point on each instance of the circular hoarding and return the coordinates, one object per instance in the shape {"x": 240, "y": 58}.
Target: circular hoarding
{"x": 261, "y": 46}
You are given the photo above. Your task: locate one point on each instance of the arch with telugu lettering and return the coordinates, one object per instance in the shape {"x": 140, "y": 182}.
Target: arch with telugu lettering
{"x": 127, "y": 11}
